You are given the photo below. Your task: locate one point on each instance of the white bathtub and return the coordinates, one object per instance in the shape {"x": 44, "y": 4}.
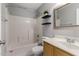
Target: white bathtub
{"x": 21, "y": 51}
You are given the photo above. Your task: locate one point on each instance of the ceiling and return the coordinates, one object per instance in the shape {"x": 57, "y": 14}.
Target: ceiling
{"x": 33, "y": 6}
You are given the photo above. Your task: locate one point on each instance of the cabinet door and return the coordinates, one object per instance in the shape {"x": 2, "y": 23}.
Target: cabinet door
{"x": 48, "y": 49}
{"x": 59, "y": 52}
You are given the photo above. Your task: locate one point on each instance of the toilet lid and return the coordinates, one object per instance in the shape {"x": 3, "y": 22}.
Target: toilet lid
{"x": 37, "y": 49}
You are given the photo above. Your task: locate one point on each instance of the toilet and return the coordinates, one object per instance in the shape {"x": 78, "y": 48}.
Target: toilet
{"x": 37, "y": 50}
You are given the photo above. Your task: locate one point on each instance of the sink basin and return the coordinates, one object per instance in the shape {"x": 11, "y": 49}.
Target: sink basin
{"x": 70, "y": 45}
{"x": 59, "y": 39}
{"x": 63, "y": 41}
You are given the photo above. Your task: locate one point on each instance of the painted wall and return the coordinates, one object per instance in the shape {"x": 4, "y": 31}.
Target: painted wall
{"x": 0, "y": 26}
{"x": 4, "y": 26}
{"x": 22, "y": 12}
{"x": 47, "y": 29}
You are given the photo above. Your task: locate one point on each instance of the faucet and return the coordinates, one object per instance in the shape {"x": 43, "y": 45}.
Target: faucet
{"x": 70, "y": 40}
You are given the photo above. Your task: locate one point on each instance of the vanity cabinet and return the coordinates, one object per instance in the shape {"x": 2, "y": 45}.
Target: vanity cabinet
{"x": 59, "y": 52}
{"x": 50, "y": 50}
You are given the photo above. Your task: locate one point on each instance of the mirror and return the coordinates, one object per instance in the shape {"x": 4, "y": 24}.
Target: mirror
{"x": 67, "y": 15}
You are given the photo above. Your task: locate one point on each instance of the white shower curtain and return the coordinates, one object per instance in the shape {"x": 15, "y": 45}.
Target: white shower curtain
{"x": 21, "y": 32}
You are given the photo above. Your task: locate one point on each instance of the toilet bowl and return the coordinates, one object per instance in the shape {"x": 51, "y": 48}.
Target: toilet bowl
{"x": 37, "y": 50}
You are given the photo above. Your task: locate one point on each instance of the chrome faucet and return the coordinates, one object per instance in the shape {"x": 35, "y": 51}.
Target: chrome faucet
{"x": 70, "y": 40}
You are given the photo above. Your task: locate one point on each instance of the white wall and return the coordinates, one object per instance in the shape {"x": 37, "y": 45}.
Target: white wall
{"x": 45, "y": 7}
{"x": 47, "y": 29}
{"x": 22, "y": 12}
{"x": 0, "y": 26}
{"x": 0, "y": 21}
{"x": 4, "y": 26}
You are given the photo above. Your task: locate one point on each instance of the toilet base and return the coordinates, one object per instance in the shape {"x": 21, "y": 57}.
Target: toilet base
{"x": 40, "y": 54}
{"x": 37, "y": 50}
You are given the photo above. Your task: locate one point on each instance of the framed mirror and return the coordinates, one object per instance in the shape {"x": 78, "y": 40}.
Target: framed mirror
{"x": 67, "y": 15}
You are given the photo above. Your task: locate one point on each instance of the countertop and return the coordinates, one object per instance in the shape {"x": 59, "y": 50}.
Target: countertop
{"x": 73, "y": 51}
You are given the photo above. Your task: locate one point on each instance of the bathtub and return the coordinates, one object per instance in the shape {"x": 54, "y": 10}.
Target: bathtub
{"x": 21, "y": 51}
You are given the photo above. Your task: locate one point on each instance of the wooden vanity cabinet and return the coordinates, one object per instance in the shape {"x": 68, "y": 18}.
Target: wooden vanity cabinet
{"x": 50, "y": 50}
{"x": 59, "y": 52}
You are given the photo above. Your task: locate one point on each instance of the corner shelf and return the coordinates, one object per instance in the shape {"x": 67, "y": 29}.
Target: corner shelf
{"x": 47, "y": 23}
{"x": 46, "y": 16}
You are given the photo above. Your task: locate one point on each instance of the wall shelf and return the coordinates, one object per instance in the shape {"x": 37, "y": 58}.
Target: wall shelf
{"x": 46, "y": 16}
{"x": 46, "y": 23}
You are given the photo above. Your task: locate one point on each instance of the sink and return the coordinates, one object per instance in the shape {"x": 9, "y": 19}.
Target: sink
{"x": 65, "y": 43}
{"x": 70, "y": 45}
{"x": 59, "y": 39}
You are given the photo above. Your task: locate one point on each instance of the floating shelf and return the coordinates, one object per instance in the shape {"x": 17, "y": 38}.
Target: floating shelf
{"x": 46, "y": 23}
{"x": 46, "y": 16}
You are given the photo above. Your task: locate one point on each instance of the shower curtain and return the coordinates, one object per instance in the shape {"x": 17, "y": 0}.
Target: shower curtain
{"x": 21, "y": 33}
